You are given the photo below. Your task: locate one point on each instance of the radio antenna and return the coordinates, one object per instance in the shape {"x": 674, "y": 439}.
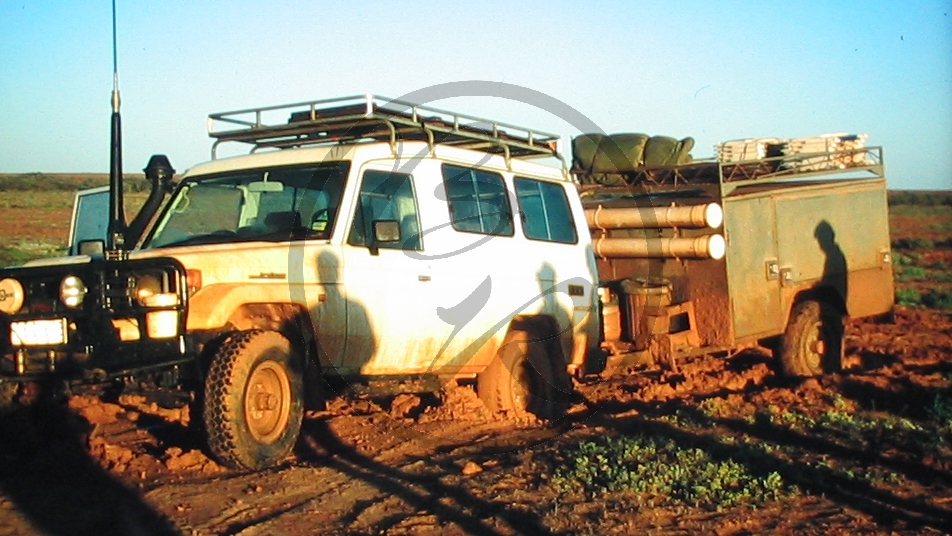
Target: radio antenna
{"x": 117, "y": 220}
{"x": 115, "y": 63}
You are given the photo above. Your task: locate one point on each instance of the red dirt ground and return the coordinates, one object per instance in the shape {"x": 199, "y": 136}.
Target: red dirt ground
{"x": 417, "y": 464}
{"x": 866, "y": 451}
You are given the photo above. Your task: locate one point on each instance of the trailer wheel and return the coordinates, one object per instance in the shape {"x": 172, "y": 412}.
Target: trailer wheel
{"x": 813, "y": 341}
{"x": 253, "y": 403}
{"x": 521, "y": 381}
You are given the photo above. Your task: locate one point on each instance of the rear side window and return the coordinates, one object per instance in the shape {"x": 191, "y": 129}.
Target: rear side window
{"x": 478, "y": 201}
{"x": 545, "y": 211}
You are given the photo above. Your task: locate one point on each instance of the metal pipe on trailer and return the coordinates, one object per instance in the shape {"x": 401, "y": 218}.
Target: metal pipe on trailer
{"x": 701, "y": 247}
{"x": 697, "y": 216}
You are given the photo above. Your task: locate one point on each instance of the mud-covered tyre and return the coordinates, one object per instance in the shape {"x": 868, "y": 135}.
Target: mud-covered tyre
{"x": 813, "y": 341}
{"x": 8, "y": 396}
{"x": 253, "y": 400}
{"x": 521, "y": 381}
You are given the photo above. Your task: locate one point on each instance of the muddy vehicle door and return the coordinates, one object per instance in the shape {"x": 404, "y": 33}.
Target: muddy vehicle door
{"x": 90, "y": 221}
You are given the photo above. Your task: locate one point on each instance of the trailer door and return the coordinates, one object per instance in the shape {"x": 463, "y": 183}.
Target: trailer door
{"x": 753, "y": 269}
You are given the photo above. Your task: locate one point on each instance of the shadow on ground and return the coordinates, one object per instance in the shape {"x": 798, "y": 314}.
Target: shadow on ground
{"x": 58, "y": 490}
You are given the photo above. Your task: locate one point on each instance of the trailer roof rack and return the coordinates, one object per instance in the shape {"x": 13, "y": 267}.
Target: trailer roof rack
{"x": 370, "y": 118}
{"x": 864, "y": 162}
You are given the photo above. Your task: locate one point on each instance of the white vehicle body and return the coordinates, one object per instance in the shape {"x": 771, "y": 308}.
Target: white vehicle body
{"x": 441, "y": 309}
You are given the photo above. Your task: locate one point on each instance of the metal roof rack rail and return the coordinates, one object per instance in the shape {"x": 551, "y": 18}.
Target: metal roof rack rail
{"x": 864, "y": 162}
{"x": 367, "y": 118}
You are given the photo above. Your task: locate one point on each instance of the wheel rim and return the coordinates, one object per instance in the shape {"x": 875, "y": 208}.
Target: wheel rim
{"x": 267, "y": 402}
{"x": 814, "y": 347}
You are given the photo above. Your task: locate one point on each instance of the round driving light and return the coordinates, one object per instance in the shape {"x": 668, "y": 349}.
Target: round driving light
{"x": 147, "y": 286}
{"x": 11, "y": 296}
{"x": 72, "y": 291}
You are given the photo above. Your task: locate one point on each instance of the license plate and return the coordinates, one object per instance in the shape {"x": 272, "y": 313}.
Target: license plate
{"x": 38, "y": 332}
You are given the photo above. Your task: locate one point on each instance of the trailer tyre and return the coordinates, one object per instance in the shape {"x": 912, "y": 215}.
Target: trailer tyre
{"x": 253, "y": 403}
{"x": 813, "y": 341}
{"x": 522, "y": 382}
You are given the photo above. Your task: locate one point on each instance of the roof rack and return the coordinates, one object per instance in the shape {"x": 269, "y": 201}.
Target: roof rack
{"x": 852, "y": 163}
{"x": 366, "y": 118}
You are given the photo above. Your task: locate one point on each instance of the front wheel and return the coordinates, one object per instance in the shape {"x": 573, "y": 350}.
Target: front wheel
{"x": 813, "y": 341}
{"x": 253, "y": 402}
{"x": 8, "y": 396}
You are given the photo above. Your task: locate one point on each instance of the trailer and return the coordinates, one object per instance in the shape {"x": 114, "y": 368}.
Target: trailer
{"x": 714, "y": 256}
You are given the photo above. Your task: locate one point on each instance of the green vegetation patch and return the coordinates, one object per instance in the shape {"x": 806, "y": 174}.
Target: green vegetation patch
{"x": 928, "y": 199}
{"x": 941, "y": 413}
{"x": 913, "y": 243}
{"x": 18, "y": 253}
{"x": 931, "y": 298}
{"x": 43, "y": 182}
{"x": 720, "y": 454}
{"x": 663, "y": 473}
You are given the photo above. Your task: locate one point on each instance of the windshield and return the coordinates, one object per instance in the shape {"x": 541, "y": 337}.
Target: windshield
{"x": 281, "y": 203}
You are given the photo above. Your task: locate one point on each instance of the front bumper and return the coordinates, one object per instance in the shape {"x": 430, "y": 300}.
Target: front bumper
{"x": 132, "y": 317}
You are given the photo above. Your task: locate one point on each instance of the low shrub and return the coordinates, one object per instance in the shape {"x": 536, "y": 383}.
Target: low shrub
{"x": 932, "y": 298}
{"x": 17, "y": 254}
{"x": 940, "y": 266}
{"x": 908, "y": 296}
{"x": 896, "y": 198}
{"x": 941, "y": 412}
{"x": 22, "y": 182}
{"x": 913, "y": 243}
{"x": 663, "y": 473}
{"x": 937, "y": 299}
{"x": 910, "y": 273}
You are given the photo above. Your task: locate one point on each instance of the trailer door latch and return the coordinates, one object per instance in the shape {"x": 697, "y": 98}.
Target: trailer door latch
{"x": 786, "y": 276}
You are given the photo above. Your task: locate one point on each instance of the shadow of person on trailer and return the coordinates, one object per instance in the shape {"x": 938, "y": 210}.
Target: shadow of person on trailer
{"x": 834, "y": 278}
{"x": 834, "y": 264}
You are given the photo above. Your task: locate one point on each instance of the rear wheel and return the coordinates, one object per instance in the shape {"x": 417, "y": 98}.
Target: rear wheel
{"x": 522, "y": 380}
{"x": 253, "y": 403}
{"x": 813, "y": 341}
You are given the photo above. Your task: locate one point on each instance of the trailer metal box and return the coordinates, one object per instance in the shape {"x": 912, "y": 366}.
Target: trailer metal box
{"x": 792, "y": 232}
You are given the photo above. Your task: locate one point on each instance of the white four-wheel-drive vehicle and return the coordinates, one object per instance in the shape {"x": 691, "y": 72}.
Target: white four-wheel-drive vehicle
{"x": 369, "y": 239}
{"x": 378, "y": 244}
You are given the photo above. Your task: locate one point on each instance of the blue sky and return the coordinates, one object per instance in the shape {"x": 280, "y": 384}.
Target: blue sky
{"x": 712, "y": 70}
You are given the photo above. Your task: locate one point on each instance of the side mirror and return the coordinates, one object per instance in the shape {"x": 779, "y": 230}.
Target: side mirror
{"x": 92, "y": 247}
{"x": 386, "y": 231}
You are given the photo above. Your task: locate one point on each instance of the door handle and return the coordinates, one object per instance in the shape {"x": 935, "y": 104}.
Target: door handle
{"x": 423, "y": 277}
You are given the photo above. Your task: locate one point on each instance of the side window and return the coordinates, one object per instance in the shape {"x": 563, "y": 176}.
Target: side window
{"x": 386, "y": 196}
{"x": 545, "y": 211}
{"x": 478, "y": 201}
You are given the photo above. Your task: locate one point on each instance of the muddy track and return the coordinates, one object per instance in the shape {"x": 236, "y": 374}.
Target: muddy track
{"x": 439, "y": 465}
